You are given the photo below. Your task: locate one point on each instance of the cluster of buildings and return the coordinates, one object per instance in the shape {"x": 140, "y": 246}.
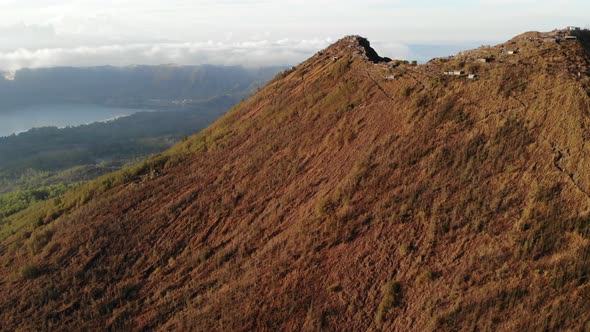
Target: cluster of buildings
{"x": 572, "y": 29}
{"x": 460, "y": 73}
{"x": 571, "y": 36}
{"x": 551, "y": 38}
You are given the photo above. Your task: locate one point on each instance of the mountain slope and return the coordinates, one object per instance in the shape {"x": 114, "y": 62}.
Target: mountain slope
{"x": 351, "y": 193}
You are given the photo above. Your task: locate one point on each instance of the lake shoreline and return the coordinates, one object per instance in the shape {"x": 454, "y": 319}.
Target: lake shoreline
{"x": 21, "y": 120}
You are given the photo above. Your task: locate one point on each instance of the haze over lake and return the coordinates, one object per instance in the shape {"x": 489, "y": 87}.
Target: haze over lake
{"x": 58, "y": 115}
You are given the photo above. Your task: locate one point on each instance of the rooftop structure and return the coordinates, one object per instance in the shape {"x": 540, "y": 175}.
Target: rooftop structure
{"x": 454, "y": 73}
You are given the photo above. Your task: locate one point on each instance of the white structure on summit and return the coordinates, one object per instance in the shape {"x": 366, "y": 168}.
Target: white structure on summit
{"x": 454, "y": 73}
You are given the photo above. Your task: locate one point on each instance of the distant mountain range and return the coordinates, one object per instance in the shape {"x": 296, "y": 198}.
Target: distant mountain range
{"x": 154, "y": 87}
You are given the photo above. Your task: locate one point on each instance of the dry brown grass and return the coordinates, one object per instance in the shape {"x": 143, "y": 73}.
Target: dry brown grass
{"x": 293, "y": 210}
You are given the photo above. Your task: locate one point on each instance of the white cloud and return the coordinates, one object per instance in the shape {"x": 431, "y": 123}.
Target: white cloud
{"x": 250, "y": 53}
{"x": 89, "y": 32}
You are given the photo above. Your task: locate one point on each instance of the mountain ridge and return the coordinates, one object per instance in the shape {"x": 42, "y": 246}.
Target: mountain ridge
{"x": 345, "y": 194}
{"x": 149, "y": 87}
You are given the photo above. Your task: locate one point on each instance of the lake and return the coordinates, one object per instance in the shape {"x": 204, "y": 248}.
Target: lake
{"x": 58, "y": 115}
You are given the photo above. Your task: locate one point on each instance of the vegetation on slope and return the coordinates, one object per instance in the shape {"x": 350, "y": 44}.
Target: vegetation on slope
{"x": 337, "y": 198}
{"x": 40, "y": 156}
{"x": 14, "y": 202}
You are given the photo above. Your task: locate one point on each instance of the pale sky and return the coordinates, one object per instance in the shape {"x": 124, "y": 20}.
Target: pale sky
{"x": 44, "y": 33}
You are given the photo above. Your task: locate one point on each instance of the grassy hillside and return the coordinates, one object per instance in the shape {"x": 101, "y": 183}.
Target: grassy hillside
{"x": 348, "y": 194}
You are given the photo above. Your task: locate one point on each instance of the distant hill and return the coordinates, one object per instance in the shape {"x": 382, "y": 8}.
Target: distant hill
{"x": 155, "y": 87}
{"x": 186, "y": 99}
{"x": 351, "y": 193}
{"x": 40, "y": 156}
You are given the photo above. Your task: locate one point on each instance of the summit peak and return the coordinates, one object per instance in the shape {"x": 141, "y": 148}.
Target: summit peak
{"x": 357, "y": 45}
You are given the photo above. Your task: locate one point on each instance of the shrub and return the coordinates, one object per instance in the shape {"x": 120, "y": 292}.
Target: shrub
{"x": 391, "y": 297}
{"x": 39, "y": 240}
{"x": 473, "y": 68}
{"x": 407, "y": 91}
{"x": 403, "y": 249}
{"x": 425, "y": 277}
{"x": 422, "y": 101}
{"x": 325, "y": 207}
{"x": 334, "y": 288}
{"x": 31, "y": 271}
{"x": 204, "y": 255}
{"x": 341, "y": 67}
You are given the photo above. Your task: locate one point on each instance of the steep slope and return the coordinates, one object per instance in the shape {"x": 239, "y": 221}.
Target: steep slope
{"x": 350, "y": 193}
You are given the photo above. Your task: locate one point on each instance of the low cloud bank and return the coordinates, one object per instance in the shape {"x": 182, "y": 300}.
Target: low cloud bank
{"x": 248, "y": 53}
